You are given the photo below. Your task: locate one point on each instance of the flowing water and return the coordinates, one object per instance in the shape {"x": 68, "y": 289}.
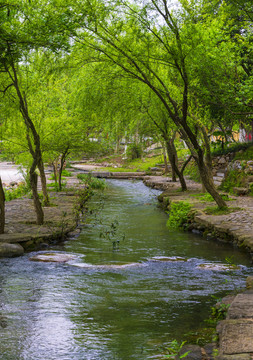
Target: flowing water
{"x": 113, "y": 300}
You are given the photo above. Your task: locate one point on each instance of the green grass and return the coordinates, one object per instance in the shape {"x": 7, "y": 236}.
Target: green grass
{"x": 215, "y": 210}
{"x": 137, "y": 164}
{"x": 206, "y": 197}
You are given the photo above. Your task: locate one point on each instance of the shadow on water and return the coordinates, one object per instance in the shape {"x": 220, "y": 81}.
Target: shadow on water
{"x": 107, "y": 304}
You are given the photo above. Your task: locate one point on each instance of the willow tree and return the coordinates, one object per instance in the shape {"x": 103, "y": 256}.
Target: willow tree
{"x": 25, "y": 27}
{"x": 151, "y": 43}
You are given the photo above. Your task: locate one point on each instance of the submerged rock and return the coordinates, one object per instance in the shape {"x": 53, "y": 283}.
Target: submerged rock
{"x": 107, "y": 266}
{"x": 218, "y": 267}
{"x": 167, "y": 258}
{"x": 11, "y": 250}
{"x": 52, "y": 257}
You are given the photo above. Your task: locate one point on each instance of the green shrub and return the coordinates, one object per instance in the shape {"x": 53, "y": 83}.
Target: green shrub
{"x": 134, "y": 151}
{"x": 235, "y": 178}
{"x": 91, "y": 181}
{"x": 55, "y": 186}
{"x": 230, "y": 148}
{"x": 15, "y": 193}
{"x": 179, "y": 213}
{"x": 66, "y": 173}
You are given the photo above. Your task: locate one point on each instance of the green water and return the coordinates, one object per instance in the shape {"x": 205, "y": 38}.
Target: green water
{"x": 93, "y": 308}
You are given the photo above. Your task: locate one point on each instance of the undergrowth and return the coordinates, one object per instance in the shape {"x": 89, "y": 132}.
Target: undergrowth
{"x": 179, "y": 213}
{"x": 92, "y": 182}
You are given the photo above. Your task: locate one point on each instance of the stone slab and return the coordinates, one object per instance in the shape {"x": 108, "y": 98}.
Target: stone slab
{"x": 235, "y": 357}
{"x": 15, "y": 238}
{"x": 236, "y": 336}
{"x": 241, "y": 307}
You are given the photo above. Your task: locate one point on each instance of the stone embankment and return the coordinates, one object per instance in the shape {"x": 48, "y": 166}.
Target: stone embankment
{"x": 22, "y": 233}
{"x": 235, "y": 228}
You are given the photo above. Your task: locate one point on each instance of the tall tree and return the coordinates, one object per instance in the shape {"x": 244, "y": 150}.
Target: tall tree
{"x": 150, "y": 42}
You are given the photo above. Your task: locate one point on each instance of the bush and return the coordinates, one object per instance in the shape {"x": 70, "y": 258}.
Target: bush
{"x": 179, "y": 213}
{"x": 235, "y": 178}
{"x": 55, "y": 186}
{"x": 91, "y": 181}
{"x": 134, "y": 151}
{"x": 17, "y": 192}
{"x": 231, "y": 148}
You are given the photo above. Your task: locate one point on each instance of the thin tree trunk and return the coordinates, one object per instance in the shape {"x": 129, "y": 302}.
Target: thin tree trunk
{"x": 36, "y": 200}
{"x": 35, "y": 149}
{"x": 63, "y": 158}
{"x": 2, "y": 208}
{"x": 43, "y": 182}
{"x": 165, "y": 159}
{"x": 174, "y": 167}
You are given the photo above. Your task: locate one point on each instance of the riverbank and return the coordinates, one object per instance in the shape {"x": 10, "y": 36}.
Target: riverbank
{"x": 23, "y": 234}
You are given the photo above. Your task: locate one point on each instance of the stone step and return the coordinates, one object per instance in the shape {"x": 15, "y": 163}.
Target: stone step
{"x": 217, "y": 178}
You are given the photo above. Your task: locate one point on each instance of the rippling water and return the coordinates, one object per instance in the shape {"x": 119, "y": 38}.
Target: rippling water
{"x": 95, "y": 307}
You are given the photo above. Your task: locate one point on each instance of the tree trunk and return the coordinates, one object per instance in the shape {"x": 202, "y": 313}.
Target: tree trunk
{"x": 34, "y": 147}
{"x": 174, "y": 167}
{"x": 165, "y": 159}
{"x": 43, "y": 182}
{"x": 207, "y": 181}
{"x": 36, "y": 200}
{"x": 2, "y": 208}
{"x": 63, "y": 158}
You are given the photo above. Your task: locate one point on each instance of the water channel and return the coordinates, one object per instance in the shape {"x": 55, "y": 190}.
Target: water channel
{"x": 109, "y": 304}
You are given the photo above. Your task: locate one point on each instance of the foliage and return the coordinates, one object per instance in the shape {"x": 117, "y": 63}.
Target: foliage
{"x": 174, "y": 350}
{"x": 134, "y": 151}
{"x": 178, "y": 214}
{"x": 92, "y": 182}
{"x": 193, "y": 172}
{"x": 234, "y": 148}
{"x": 205, "y": 197}
{"x": 247, "y": 154}
{"x": 55, "y": 186}
{"x": 218, "y": 313}
{"x": 112, "y": 233}
{"x": 16, "y": 192}
{"x": 234, "y": 178}
{"x": 66, "y": 173}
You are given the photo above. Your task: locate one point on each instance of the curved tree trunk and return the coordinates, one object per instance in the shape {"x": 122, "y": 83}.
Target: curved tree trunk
{"x": 174, "y": 166}
{"x": 2, "y": 208}
{"x": 208, "y": 183}
{"x": 34, "y": 144}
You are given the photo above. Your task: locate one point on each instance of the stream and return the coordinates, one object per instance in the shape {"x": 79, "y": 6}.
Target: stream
{"x": 122, "y": 296}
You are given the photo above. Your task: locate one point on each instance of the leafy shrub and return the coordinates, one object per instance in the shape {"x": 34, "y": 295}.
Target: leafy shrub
{"x": 66, "y": 173}
{"x": 134, "y": 151}
{"x": 55, "y": 186}
{"x": 17, "y": 192}
{"x": 179, "y": 213}
{"x": 230, "y": 148}
{"x": 91, "y": 181}
{"x": 235, "y": 178}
